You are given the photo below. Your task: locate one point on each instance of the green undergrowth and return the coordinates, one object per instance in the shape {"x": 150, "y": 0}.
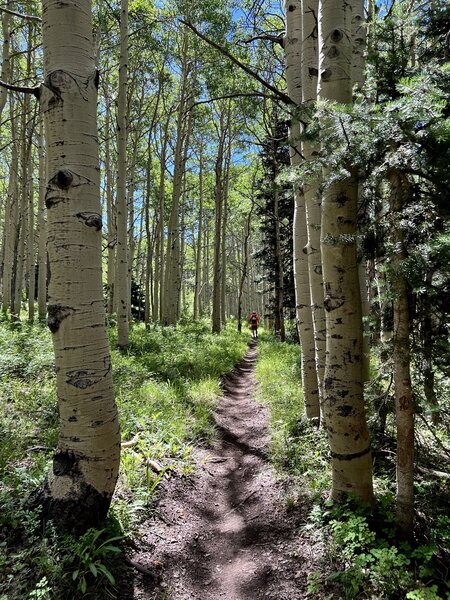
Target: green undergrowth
{"x": 357, "y": 550}
{"x": 167, "y": 384}
{"x": 298, "y": 447}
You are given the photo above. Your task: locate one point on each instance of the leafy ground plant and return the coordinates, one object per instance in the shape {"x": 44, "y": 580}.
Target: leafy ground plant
{"x": 167, "y": 384}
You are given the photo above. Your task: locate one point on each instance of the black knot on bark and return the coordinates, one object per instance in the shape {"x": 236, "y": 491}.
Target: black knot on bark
{"x": 326, "y": 75}
{"x": 291, "y": 7}
{"x": 64, "y": 179}
{"x": 313, "y": 72}
{"x": 336, "y": 35}
{"x": 65, "y": 463}
{"x": 56, "y": 314}
{"x": 91, "y": 220}
{"x": 332, "y": 52}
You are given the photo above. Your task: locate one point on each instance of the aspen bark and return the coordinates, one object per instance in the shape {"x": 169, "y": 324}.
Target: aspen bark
{"x": 159, "y": 298}
{"x": 81, "y": 481}
{"x": 42, "y": 231}
{"x": 293, "y": 53}
{"x": 121, "y": 287}
{"x": 310, "y": 63}
{"x": 344, "y": 410}
{"x": 404, "y": 405}
{"x": 6, "y": 64}
{"x": 198, "y": 258}
{"x": 11, "y": 217}
{"x": 218, "y": 241}
{"x": 112, "y": 240}
{"x": 171, "y": 306}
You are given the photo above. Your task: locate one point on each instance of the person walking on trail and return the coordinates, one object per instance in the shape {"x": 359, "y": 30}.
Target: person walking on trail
{"x": 254, "y": 319}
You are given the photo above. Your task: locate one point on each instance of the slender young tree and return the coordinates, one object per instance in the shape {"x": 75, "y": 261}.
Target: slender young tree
{"x": 79, "y": 486}
{"x": 121, "y": 287}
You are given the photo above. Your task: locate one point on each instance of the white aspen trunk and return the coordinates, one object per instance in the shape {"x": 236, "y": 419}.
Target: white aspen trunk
{"x": 148, "y": 254}
{"x": 198, "y": 258}
{"x": 171, "y": 306}
{"x": 31, "y": 249}
{"x": 404, "y": 403}
{"x": 206, "y": 283}
{"x": 111, "y": 263}
{"x": 81, "y": 481}
{"x": 293, "y": 54}
{"x": 159, "y": 267}
{"x": 11, "y": 217}
{"x": 6, "y": 65}
{"x": 310, "y": 64}
{"x": 344, "y": 411}
{"x": 42, "y": 231}
{"x": 223, "y": 307}
{"x": 121, "y": 287}
{"x": 218, "y": 202}
{"x": 22, "y": 230}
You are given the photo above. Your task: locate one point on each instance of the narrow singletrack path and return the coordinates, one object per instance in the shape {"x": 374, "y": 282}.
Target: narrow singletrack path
{"x": 226, "y": 532}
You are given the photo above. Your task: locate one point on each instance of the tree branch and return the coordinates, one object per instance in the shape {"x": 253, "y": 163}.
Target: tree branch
{"x": 281, "y": 95}
{"x": 235, "y": 95}
{"x": 18, "y": 88}
{"x": 17, "y": 14}
{"x": 276, "y": 39}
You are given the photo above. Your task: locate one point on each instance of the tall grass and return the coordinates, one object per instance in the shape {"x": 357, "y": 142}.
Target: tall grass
{"x": 298, "y": 447}
{"x": 167, "y": 384}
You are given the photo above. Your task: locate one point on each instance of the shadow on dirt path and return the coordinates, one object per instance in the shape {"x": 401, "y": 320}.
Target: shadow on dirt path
{"x": 226, "y": 532}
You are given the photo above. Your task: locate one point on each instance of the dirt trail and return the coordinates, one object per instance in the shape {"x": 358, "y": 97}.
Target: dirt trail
{"x": 225, "y": 532}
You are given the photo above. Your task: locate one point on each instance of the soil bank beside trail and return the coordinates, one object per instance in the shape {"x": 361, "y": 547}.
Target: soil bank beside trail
{"x": 225, "y": 532}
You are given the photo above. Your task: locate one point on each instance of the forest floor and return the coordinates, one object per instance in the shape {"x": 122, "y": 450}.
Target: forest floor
{"x": 226, "y": 531}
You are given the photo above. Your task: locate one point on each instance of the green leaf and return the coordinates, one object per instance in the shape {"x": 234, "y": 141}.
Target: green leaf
{"x": 93, "y": 569}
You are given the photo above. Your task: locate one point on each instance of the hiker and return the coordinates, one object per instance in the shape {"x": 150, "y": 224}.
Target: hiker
{"x": 253, "y": 319}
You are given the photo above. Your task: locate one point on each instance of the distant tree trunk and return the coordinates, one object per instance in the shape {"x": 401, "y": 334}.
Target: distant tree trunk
{"x": 344, "y": 410}
{"x": 404, "y": 406}
{"x": 223, "y": 285}
{"x": 112, "y": 234}
{"x": 6, "y": 52}
{"x": 23, "y": 213}
{"x": 198, "y": 258}
{"x": 31, "y": 255}
{"x": 42, "y": 230}
{"x": 121, "y": 287}
{"x": 159, "y": 268}
{"x": 171, "y": 306}
{"x": 218, "y": 241}
{"x": 426, "y": 331}
{"x": 149, "y": 252}
{"x": 80, "y": 484}
{"x": 247, "y": 233}
{"x": 11, "y": 217}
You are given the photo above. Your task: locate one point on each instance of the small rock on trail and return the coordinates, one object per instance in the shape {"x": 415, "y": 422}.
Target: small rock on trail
{"x": 225, "y": 532}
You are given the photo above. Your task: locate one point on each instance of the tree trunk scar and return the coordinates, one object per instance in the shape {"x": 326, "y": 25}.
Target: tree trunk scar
{"x": 351, "y": 456}
{"x": 91, "y": 219}
{"x": 56, "y": 314}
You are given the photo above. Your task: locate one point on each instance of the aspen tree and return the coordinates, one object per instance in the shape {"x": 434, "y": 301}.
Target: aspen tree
{"x": 121, "y": 287}
{"x": 11, "y": 215}
{"x": 310, "y": 150}
{"x": 344, "y": 411}
{"x": 222, "y": 130}
{"x": 158, "y": 296}
{"x": 171, "y": 306}
{"x": 198, "y": 258}
{"x": 79, "y": 486}
{"x": 293, "y": 48}
{"x": 6, "y": 63}
{"x": 404, "y": 403}
{"x": 42, "y": 231}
